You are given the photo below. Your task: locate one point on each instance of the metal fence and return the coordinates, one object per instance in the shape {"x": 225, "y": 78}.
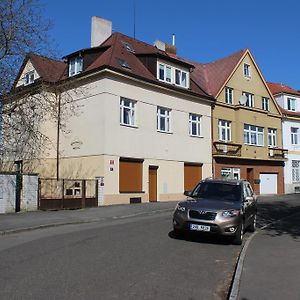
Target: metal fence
{"x": 67, "y": 193}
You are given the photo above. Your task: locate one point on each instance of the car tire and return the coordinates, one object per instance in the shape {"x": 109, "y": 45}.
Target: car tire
{"x": 252, "y": 226}
{"x": 239, "y": 234}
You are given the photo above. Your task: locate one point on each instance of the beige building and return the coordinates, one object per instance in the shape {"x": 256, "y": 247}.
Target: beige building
{"x": 141, "y": 123}
{"x": 246, "y": 121}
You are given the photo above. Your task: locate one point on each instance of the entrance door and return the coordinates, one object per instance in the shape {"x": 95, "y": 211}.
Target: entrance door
{"x": 268, "y": 183}
{"x": 153, "y": 183}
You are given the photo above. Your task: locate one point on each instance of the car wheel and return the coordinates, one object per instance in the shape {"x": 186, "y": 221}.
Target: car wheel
{"x": 239, "y": 234}
{"x": 252, "y": 226}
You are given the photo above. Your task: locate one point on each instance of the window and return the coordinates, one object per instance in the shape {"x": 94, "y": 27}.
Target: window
{"x": 195, "y": 125}
{"x": 253, "y": 135}
{"x": 228, "y": 95}
{"x": 123, "y": 63}
{"x": 230, "y": 173}
{"x": 250, "y": 99}
{"x": 224, "y": 130}
{"x": 75, "y": 66}
{"x": 247, "y": 70}
{"x": 127, "y": 112}
{"x": 130, "y": 175}
{"x": 296, "y": 170}
{"x": 163, "y": 119}
{"x": 180, "y": 78}
{"x": 265, "y": 103}
{"x": 165, "y": 73}
{"x": 29, "y": 78}
{"x": 291, "y": 104}
{"x": 173, "y": 75}
{"x": 271, "y": 137}
{"x": 294, "y": 136}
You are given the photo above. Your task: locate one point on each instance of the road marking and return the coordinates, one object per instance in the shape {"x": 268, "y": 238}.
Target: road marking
{"x": 238, "y": 272}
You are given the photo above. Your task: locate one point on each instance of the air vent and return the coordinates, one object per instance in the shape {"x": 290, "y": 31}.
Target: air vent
{"x": 128, "y": 46}
{"x": 123, "y": 63}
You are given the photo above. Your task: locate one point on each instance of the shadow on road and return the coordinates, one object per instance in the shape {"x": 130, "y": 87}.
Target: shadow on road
{"x": 283, "y": 216}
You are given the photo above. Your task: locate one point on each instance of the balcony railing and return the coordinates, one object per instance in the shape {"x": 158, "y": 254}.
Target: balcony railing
{"x": 277, "y": 153}
{"x": 226, "y": 149}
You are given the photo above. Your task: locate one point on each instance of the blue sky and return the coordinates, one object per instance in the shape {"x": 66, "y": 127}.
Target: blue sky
{"x": 206, "y": 30}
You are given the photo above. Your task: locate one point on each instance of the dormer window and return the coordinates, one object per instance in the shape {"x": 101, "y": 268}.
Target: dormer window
{"x": 172, "y": 75}
{"x": 75, "y": 66}
{"x": 29, "y": 78}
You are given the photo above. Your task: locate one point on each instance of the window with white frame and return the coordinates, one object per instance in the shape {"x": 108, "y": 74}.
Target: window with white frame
{"x": 195, "y": 125}
{"x": 296, "y": 170}
{"x": 250, "y": 99}
{"x": 173, "y": 75}
{"x": 228, "y": 95}
{"x": 163, "y": 119}
{"x": 294, "y": 135}
{"x": 224, "y": 130}
{"x": 265, "y": 103}
{"x": 180, "y": 78}
{"x": 291, "y": 104}
{"x": 29, "y": 78}
{"x": 271, "y": 137}
{"x": 253, "y": 135}
{"x": 75, "y": 66}
{"x": 127, "y": 112}
{"x": 247, "y": 70}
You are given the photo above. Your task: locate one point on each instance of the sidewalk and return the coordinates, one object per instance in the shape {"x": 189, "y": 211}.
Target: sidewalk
{"x": 10, "y": 223}
{"x": 271, "y": 268}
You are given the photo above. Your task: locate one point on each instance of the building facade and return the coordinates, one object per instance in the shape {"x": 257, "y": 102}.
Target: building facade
{"x": 289, "y": 101}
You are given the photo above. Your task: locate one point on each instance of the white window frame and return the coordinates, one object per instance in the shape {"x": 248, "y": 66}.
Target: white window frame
{"x": 291, "y": 104}
{"x": 250, "y": 99}
{"x": 75, "y": 66}
{"x": 265, "y": 103}
{"x": 247, "y": 70}
{"x": 127, "y": 108}
{"x": 253, "y": 134}
{"x": 182, "y": 74}
{"x": 224, "y": 130}
{"x": 294, "y": 135}
{"x": 195, "y": 121}
{"x": 165, "y": 114}
{"x": 295, "y": 171}
{"x": 229, "y": 95}
{"x": 272, "y": 138}
{"x": 29, "y": 77}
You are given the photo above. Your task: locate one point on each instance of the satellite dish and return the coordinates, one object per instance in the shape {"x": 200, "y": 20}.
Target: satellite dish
{"x": 243, "y": 100}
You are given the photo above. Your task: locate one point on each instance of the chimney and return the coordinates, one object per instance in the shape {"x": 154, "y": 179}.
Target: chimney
{"x": 170, "y": 49}
{"x": 101, "y": 30}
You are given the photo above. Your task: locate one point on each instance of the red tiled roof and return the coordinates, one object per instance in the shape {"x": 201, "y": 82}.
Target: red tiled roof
{"x": 212, "y": 76}
{"x": 277, "y": 88}
{"x": 49, "y": 69}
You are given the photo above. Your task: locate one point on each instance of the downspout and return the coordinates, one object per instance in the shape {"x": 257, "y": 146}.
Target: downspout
{"x": 58, "y": 135}
{"x": 212, "y": 141}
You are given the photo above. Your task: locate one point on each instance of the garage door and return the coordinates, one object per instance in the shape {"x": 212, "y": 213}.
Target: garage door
{"x": 268, "y": 183}
{"x": 192, "y": 175}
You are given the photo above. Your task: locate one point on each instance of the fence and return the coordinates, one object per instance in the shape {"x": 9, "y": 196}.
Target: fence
{"x": 67, "y": 193}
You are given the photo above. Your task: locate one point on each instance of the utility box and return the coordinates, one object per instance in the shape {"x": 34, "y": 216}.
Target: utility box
{"x": 28, "y": 200}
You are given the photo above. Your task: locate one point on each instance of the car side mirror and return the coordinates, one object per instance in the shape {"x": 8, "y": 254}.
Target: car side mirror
{"x": 187, "y": 193}
{"x": 248, "y": 199}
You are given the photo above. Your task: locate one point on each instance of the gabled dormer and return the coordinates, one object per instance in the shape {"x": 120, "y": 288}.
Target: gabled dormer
{"x": 28, "y": 74}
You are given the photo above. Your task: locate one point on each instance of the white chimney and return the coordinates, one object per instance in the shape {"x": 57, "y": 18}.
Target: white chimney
{"x": 101, "y": 30}
{"x": 160, "y": 45}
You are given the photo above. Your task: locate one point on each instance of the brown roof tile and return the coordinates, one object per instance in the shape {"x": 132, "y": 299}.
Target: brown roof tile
{"x": 277, "y": 88}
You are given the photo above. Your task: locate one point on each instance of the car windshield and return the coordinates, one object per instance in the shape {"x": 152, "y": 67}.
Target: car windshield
{"x": 217, "y": 191}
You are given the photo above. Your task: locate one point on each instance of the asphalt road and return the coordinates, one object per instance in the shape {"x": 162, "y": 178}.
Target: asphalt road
{"x": 126, "y": 258}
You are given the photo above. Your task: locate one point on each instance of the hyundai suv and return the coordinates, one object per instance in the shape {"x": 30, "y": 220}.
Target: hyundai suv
{"x": 224, "y": 207}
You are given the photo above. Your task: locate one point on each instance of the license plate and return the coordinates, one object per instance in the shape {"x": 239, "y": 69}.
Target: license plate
{"x": 199, "y": 227}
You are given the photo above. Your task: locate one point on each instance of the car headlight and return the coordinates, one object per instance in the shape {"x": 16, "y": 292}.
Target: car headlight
{"x": 180, "y": 208}
{"x": 230, "y": 213}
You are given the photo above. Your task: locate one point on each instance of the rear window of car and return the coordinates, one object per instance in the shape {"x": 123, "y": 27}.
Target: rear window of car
{"x": 218, "y": 191}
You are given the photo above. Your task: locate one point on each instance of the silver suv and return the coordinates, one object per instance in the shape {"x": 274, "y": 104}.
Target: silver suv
{"x": 215, "y": 206}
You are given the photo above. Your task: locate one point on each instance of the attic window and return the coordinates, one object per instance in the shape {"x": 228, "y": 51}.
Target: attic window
{"x": 128, "y": 46}
{"x": 29, "y": 78}
{"x": 123, "y": 63}
{"x": 75, "y": 66}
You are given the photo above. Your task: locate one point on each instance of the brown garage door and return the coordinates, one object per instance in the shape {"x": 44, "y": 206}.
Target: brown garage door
{"x": 192, "y": 175}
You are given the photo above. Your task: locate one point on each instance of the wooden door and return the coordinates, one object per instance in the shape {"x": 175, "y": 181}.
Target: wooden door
{"x": 153, "y": 183}
{"x": 192, "y": 175}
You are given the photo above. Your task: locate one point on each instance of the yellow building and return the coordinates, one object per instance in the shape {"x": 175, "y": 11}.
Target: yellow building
{"x": 246, "y": 122}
